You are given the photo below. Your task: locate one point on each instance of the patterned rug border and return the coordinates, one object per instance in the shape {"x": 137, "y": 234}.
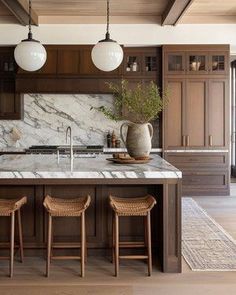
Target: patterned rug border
{"x": 220, "y": 227}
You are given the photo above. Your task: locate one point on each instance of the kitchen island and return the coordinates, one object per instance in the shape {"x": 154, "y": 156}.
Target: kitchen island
{"x": 38, "y": 175}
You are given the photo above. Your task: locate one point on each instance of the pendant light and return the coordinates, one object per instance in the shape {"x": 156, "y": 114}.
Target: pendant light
{"x": 30, "y": 54}
{"x": 107, "y": 54}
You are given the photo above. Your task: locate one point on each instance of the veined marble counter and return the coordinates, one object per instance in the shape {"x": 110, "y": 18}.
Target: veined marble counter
{"x": 46, "y": 166}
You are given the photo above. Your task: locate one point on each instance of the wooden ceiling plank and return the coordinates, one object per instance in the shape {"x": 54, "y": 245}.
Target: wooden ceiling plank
{"x": 175, "y": 11}
{"x": 20, "y": 12}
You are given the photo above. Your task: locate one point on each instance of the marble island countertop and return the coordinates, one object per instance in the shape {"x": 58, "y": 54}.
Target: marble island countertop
{"x": 46, "y": 166}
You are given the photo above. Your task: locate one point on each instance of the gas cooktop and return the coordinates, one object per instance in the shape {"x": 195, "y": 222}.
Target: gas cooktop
{"x": 64, "y": 149}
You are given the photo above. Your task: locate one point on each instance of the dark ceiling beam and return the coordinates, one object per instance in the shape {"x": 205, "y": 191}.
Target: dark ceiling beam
{"x": 20, "y": 11}
{"x": 174, "y": 11}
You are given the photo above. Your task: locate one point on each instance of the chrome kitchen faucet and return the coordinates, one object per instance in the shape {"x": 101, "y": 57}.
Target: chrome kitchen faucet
{"x": 68, "y": 130}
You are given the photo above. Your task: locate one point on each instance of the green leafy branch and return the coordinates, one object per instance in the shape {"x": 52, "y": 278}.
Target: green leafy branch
{"x": 141, "y": 104}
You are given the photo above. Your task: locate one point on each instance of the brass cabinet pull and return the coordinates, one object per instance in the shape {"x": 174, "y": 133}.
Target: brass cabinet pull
{"x": 210, "y": 140}
{"x": 187, "y": 141}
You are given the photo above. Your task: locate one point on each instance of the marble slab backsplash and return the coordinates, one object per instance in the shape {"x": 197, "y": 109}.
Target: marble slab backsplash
{"x": 46, "y": 117}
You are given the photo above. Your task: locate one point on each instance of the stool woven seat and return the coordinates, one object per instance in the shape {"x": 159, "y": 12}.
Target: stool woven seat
{"x": 9, "y": 206}
{"x": 132, "y": 206}
{"x": 66, "y": 207}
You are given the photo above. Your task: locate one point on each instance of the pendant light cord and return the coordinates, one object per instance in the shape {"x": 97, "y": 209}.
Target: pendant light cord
{"x": 108, "y": 20}
{"x": 30, "y": 35}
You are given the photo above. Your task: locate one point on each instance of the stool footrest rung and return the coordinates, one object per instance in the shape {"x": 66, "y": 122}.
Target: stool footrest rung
{"x": 133, "y": 257}
{"x": 4, "y": 257}
{"x": 132, "y": 245}
{"x": 66, "y": 245}
{"x": 66, "y": 257}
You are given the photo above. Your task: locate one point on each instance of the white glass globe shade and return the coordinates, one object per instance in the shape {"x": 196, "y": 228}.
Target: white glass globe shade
{"x": 30, "y": 55}
{"x": 107, "y": 56}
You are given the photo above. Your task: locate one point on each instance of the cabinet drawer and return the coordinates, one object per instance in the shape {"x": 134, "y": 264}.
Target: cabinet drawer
{"x": 217, "y": 179}
{"x": 205, "y": 183}
{"x": 198, "y": 160}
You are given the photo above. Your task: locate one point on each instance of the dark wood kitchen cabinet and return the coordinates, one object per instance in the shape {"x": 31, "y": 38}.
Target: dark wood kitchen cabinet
{"x": 203, "y": 173}
{"x": 196, "y": 118}
{"x": 174, "y": 114}
{"x": 141, "y": 61}
{"x": 50, "y": 66}
{"x": 69, "y": 69}
{"x": 218, "y": 113}
{"x": 174, "y": 63}
{"x": 68, "y": 61}
{"x": 10, "y": 101}
{"x": 196, "y": 59}
{"x": 194, "y": 121}
{"x": 197, "y": 114}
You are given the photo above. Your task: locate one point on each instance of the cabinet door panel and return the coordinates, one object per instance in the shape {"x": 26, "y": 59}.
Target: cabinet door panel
{"x": 50, "y": 66}
{"x": 217, "y": 113}
{"x": 68, "y": 61}
{"x": 10, "y": 101}
{"x": 195, "y": 105}
{"x": 174, "y": 113}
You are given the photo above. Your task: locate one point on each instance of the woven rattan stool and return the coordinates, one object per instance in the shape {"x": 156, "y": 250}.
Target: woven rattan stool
{"x": 9, "y": 208}
{"x": 66, "y": 208}
{"x": 132, "y": 207}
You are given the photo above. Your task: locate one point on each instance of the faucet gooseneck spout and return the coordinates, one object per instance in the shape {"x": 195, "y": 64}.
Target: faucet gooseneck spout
{"x": 69, "y": 132}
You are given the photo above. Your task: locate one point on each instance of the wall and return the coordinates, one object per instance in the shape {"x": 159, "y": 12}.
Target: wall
{"x": 47, "y": 116}
{"x": 127, "y": 34}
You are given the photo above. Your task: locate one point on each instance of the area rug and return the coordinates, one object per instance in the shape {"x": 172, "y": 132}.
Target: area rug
{"x": 206, "y": 246}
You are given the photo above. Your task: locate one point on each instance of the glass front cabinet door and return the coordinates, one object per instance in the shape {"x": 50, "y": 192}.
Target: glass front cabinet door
{"x": 197, "y": 63}
{"x": 175, "y": 63}
{"x": 133, "y": 64}
{"x": 150, "y": 64}
{"x": 218, "y": 63}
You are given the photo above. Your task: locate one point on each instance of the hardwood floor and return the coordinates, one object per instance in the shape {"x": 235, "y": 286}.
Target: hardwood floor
{"x": 29, "y": 277}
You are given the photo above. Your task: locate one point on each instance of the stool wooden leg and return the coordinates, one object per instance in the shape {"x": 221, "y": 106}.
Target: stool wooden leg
{"x": 20, "y": 235}
{"x": 12, "y": 243}
{"x": 145, "y": 232}
{"x": 85, "y": 246}
{"x": 51, "y": 251}
{"x": 113, "y": 237}
{"x": 149, "y": 242}
{"x": 82, "y": 243}
{"x": 116, "y": 244}
{"x": 49, "y": 244}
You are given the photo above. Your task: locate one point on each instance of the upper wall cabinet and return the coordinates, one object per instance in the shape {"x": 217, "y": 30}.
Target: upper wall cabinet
{"x": 219, "y": 62}
{"x": 87, "y": 67}
{"x": 71, "y": 60}
{"x": 174, "y": 63}
{"x": 196, "y": 116}
{"x": 68, "y": 61}
{"x": 141, "y": 61}
{"x": 196, "y": 60}
{"x": 10, "y": 101}
{"x": 50, "y": 66}
{"x": 197, "y": 63}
